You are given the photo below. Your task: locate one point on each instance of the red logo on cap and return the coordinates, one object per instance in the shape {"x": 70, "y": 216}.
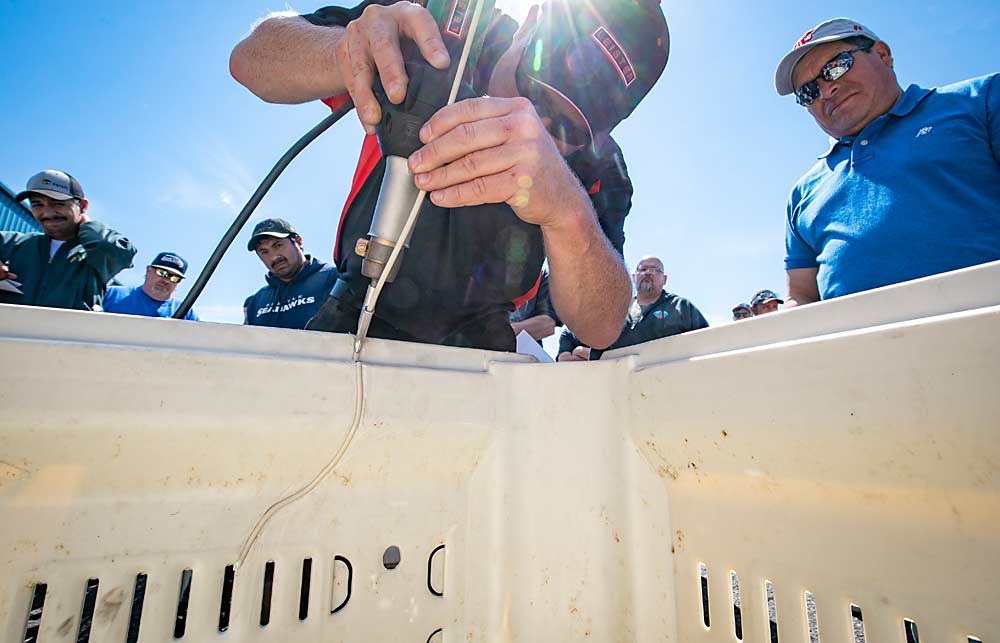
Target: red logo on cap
{"x": 806, "y": 37}
{"x": 459, "y": 16}
{"x": 616, "y": 54}
{"x": 857, "y": 27}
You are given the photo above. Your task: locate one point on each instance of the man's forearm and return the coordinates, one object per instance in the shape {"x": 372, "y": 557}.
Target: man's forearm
{"x": 589, "y": 284}
{"x": 288, "y": 60}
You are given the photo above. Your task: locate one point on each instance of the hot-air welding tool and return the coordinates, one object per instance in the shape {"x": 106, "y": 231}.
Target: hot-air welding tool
{"x": 463, "y": 25}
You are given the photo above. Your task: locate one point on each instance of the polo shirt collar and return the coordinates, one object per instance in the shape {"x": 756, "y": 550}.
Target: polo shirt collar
{"x": 908, "y": 102}
{"x": 912, "y": 97}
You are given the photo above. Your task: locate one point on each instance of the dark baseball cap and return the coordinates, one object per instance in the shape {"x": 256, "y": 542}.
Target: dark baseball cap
{"x": 172, "y": 262}
{"x": 278, "y": 228}
{"x": 745, "y": 307}
{"x": 603, "y": 56}
{"x": 53, "y": 184}
{"x": 765, "y": 296}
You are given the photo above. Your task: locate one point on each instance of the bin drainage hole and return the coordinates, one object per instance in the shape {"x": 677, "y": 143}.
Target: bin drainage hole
{"x": 226, "y": 604}
{"x": 135, "y": 614}
{"x": 34, "y": 621}
{"x": 858, "y": 622}
{"x": 811, "y": 619}
{"x": 910, "y": 628}
{"x": 703, "y": 575}
{"x": 265, "y": 601}
{"x": 975, "y": 639}
{"x": 391, "y": 557}
{"x": 737, "y": 606}
{"x": 772, "y": 611}
{"x": 307, "y": 564}
{"x": 180, "y": 623}
{"x": 87, "y": 615}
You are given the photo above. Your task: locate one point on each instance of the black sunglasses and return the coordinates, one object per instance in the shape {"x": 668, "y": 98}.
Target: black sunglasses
{"x": 832, "y": 71}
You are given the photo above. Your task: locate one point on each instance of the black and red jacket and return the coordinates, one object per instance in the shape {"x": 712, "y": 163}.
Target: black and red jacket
{"x": 466, "y": 268}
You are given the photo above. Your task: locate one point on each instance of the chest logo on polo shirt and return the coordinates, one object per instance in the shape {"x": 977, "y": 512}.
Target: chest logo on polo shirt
{"x": 924, "y": 130}
{"x": 661, "y": 314}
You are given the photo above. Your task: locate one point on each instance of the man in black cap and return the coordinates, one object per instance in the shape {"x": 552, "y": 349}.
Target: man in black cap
{"x": 764, "y": 302}
{"x": 501, "y": 198}
{"x": 154, "y": 297}
{"x": 296, "y": 283}
{"x": 69, "y": 263}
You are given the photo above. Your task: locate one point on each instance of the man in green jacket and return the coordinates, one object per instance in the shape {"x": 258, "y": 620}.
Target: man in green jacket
{"x": 70, "y": 263}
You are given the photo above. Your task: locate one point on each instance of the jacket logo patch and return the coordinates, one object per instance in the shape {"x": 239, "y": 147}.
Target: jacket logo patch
{"x": 616, "y": 54}
{"x": 661, "y": 314}
{"x": 459, "y": 16}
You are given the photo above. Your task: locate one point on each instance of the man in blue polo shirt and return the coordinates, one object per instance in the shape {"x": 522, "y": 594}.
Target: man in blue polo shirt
{"x": 910, "y": 185}
{"x": 153, "y": 297}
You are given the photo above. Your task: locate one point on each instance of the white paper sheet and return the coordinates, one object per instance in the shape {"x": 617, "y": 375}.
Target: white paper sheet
{"x": 9, "y": 285}
{"x": 526, "y": 345}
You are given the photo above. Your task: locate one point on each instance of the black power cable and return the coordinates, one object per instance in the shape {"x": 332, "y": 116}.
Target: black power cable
{"x": 244, "y": 215}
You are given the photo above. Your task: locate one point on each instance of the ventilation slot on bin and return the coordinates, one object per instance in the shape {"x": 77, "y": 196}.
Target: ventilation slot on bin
{"x": 304, "y": 590}
{"x": 772, "y": 611}
{"x": 703, "y": 576}
{"x": 812, "y": 621}
{"x": 858, "y": 621}
{"x": 342, "y": 581}
{"x": 435, "y": 571}
{"x": 910, "y": 629}
{"x": 265, "y": 600}
{"x": 226, "y": 605}
{"x": 180, "y": 623}
{"x": 737, "y": 606}
{"x": 34, "y": 620}
{"x": 135, "y": 614}
{"x": 87, "y": 615}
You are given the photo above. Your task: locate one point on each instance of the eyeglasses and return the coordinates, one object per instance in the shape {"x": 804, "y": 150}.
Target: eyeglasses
{"x": 647, "y": 269}
{"x": 832, "y": 71}
{"x": 166, "y": 274}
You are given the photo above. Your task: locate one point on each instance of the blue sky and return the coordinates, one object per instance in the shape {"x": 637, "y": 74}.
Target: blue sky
{"x": 135, "y": 100}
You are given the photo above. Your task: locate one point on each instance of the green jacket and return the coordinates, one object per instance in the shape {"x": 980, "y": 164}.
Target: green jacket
{"x": 75, "y": 277}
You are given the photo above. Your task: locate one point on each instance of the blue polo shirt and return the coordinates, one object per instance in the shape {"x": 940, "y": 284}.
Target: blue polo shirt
{"x": 134, "y": 301}
{"x": 915, "y": 193}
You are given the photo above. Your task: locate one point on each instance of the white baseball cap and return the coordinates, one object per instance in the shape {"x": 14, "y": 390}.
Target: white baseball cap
{"x": 828, "y": 31}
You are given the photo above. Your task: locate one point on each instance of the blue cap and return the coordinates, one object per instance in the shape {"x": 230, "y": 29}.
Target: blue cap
{"x": 172, "y": 262}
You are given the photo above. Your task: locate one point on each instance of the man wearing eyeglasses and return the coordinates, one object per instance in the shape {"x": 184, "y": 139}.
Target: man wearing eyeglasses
{"x": 910, "y": 185}
{"x": 654, "y": 313}
{"x": 154, "y": 297}
{"x": 501, "y": 197}
{"x": 68, "y": 264}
